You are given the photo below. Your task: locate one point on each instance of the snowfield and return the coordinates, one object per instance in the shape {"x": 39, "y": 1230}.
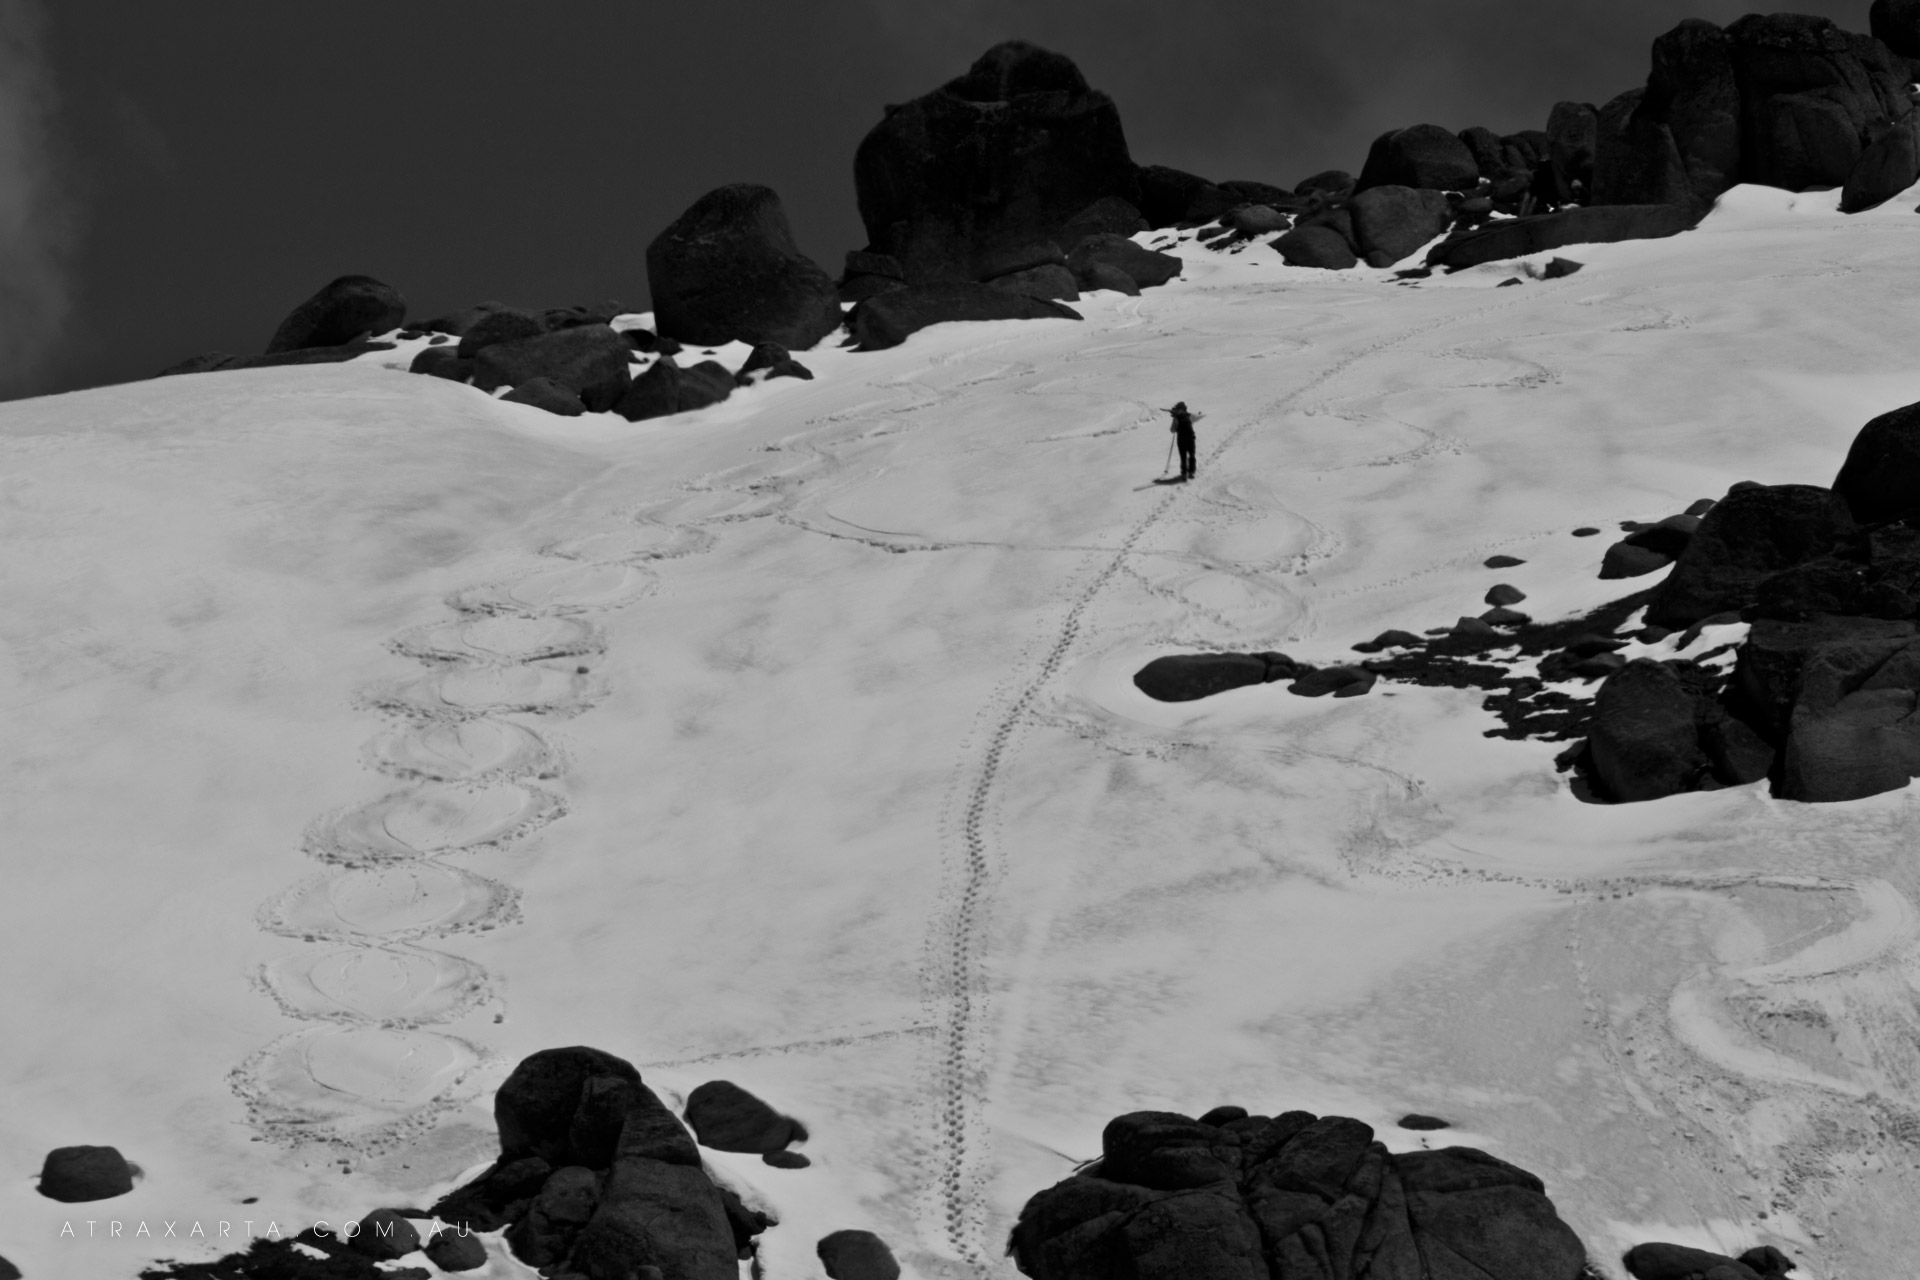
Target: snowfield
{"x": 364, "y": 735}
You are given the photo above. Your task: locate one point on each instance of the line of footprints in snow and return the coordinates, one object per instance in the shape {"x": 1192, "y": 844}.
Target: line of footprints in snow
{"x": 365, "y": 1069}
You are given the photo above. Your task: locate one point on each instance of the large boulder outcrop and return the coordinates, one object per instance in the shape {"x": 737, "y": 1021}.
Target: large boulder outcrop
{"x": 1889, "y": 165}
{"x": 1295, "y": 1195}
{"x": 1169, "y": 197}
{"x": 1880, "y": 480}
{"x": 728, "y": 270}
{"x": 598, "y": 1179}
{"x": 348, "y": 308}
{"x": 887, "y": 319}
{"x": 591, "y": 360}
{"x": 1423, "y": 156}
{"x": 1749, "y": 536}
{"x": 1004, "y": 155}
{"x": 1786, "y": 100}
{"x": 1518, "y": 237}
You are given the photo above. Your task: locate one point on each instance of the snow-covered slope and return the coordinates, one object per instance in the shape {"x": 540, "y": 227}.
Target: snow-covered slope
{"x": 793, "y": 742}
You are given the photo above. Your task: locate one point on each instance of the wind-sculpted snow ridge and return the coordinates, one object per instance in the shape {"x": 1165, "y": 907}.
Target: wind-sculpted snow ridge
{"x": 369, "y": 1068}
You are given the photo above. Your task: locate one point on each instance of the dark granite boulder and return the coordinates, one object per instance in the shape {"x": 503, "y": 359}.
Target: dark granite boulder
{"x": 1316, "y": 246}
{"x": 660, "y": 1215}
{"x": 1100, "y": 275}
{"x": 1394, "y": 221}
{"x": 1519, "y": 237}
{"x": 591, "y": 360}
{"x": 1855, "y": 729}
{"x": 1679, "y": 1262}
{"x": 75, "y": 1175}
{"x": 856, "y": 1255}
{"x": 770, "y": 360}
{"x": 888, "y": 319}
{"x": 442, "y": 362}
{"x": 500, "y": 1195}
{"x": 1048, "y": 281}
{"x": 1145, "y": 267}
{"x": 1644, "y": 741}
{"x": 1336, "y": 184}
{"x": 1889, "y": 165}
{"x": 1186, "y": 677}
{"x": 348, "y": 308}
{"x": 728, "y": 1118}
{"x": 1752, "y": 534}
{"x": 208, "y": 362}
{"x": 456, "y": 1250}
{"x": 1678, "y": 140}
{"x": 1421, "y": 155}
{"x": 545, "y": 393}
{"x": 383, "y": 1235}
{"x": 666, "y": 389}
{"x": 1170, "y": 197}
{"x": 1880, "y": 480}
{"x": 1574, "y": 128}
{"x": 728, "y": 270}
{"x": 1109, "y": 215}
{"x": 1896, "y": 24}
{"x": 554, "y": 1219}
{"x": 496, "y": 324}
{"x": 534, "y": 1108}
{"x": 1005, "y": 154}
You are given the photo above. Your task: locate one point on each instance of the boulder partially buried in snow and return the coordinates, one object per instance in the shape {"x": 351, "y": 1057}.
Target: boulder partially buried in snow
{"x": 666, "y": 389}
{"x": 728, "y": 270}
{"x": 887, "y": 319}
{"x": 1255, "y": 1197}
{"x": 591, "y": 360}
{"x": 347, "y": 308}
{"x": 1146, "y": 267}
{"x": 728, "y": 1118}
{"x": 75, "y": 1175}
{"x": 1750, "y": 535}
{"x": 1393, "y": 221}
{"x": 1004, "y": 155}
{"x": 1321, "y": 247}
{"x": 1880, "y": 480}
{"x": 1185, "y": 677}
{"x": 1519, "y": 237}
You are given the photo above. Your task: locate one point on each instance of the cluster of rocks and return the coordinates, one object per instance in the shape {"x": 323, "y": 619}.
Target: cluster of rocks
{"x": 1233, "y": 1196}
{"x": 1822, "y": 695}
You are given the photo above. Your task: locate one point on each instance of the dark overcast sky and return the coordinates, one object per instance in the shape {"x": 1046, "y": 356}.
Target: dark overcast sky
{"x": 175, "y": 176}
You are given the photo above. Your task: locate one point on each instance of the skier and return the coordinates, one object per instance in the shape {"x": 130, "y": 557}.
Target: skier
{"x": 1182, "y": 429}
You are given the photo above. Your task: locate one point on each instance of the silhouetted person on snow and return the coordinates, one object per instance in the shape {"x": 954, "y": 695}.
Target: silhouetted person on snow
{"x": 1183, "y": 436}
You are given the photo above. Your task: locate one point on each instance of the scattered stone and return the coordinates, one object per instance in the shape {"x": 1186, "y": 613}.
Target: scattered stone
{"x": 1414, "y": 1120}
{"x": 350, "y": 307}
{"x": 1503, "y": 593}
{"x": 1560, "y": 268}
{"x": 1388, "y": 640}
{"x": 1474, "y": 628}
{"x": 888, "y": 319}
{"x": 785, "y": 1159}
{"x": 1678, "y": 1262}
{"x": 1585, "y": 531}
{"x": 74, "y": 1175}
{"x": 383, "y": 1235}
{"x": 1316, "y": 246}
{"x": 1187, "y": 677}
{"x": 728, "y": 270}
{"x": 545, "y": 393}
{"x": 728, "y": 1118}
{"x": 456, "y": 1250}
{"x": 1502, "y": 562}
{"x": 857, "y": 1255}
{"x": 1504, "y": 617}
{"x": 1341, "y": 682}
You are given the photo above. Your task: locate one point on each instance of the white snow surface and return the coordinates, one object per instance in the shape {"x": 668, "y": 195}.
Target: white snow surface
{"x": 364, "y": 734}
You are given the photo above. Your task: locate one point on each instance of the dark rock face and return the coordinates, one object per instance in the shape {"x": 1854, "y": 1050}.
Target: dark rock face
{"x": 545, "y": 393}
{"x": 666, "y": 389}
{"x": 1518, "y": 237}
{"x": 1853, "y": 729}
{"x": 497, "y": 324}
{"x": 1169, "y": 197}
{"x": 1259, "y": 1198}
{"x": 1678, "y": 1262}
{"x": 591, "y": 360}
{"x": 728, "y": 1118}
{"x": 1394, "y": 221}
{"x": 1880, "y": 479}
{"x": 728, "y": 269}
{"x": 74, "y": 1175}
{"x": 628, "y": 1192}
{"x": 456, "y": 1251}
{"x": 1145, "y": 267}
{"x": 442, "y": 362}
{"x": 1574, "y": 130}
{"x": 1186, "y": 677}
{"x": 1109, "y": 215}
{"x": 1748, "y": 537}
{"x": 1783, "y": 99}
{"x": 348, "y": 308}
{"x": 1005, "y": 154}
{"x": 1333, "y": 183}
{"x": 1896, "y": 24}
{"x": 1422, "y": 155}
{"x": 208, "y": 362}
{"x": 856, "y": 1255}
{"x": 889, "y": 318}
{"x": 772, "y": 360}
{"x": 1889, "y": 165}
{"x": 1644, "y": 741}
{"x": 1049, "y": 281}
{"x": 1100, "y": 276}
{"x": 1321, "y": 247}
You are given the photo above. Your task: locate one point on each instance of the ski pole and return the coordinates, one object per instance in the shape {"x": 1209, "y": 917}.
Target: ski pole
{"x": 1169, "y": 464}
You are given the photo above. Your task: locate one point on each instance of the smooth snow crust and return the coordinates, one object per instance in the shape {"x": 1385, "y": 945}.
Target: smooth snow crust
{"x": 793, "y": 742}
